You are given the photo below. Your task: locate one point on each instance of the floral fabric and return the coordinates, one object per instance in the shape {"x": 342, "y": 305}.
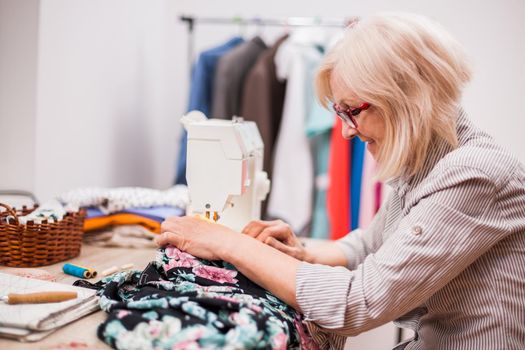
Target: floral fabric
{"x": 181, "y": 302}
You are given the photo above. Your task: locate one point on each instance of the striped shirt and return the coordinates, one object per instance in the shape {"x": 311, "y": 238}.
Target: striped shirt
{"x": 444, "y": 256}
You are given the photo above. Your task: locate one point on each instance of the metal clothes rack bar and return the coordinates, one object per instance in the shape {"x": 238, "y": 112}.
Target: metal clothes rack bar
{"x": 191, "y": 21}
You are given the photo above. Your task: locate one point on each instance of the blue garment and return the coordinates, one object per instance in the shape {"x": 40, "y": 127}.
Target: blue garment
{"x": 154, "y": 213}
{"x": 357, "y": 154}
{"x": 202, "y": 77}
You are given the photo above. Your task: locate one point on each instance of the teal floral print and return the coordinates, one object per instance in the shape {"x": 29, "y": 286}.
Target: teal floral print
{"x": 182, "y": 302}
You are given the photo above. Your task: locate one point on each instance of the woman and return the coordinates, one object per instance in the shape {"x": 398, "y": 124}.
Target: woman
{"x": 445, "y": 255}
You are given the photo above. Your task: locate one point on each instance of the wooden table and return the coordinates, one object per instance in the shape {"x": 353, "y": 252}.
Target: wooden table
{"x": 83, "y": 330}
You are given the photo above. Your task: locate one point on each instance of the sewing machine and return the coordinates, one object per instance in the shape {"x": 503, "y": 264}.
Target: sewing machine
{"x": 224, "y": 169}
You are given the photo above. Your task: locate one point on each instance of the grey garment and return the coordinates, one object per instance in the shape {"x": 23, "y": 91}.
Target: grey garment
{"x": 229, "y": 77}
{"x": 445, "y": 256}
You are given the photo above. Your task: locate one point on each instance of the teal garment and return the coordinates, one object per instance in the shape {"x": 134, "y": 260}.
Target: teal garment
{"x": 319, "y": 129}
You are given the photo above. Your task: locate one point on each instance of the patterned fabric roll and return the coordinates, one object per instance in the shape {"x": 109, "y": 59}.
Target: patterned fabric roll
{"x": 181, "y": 302}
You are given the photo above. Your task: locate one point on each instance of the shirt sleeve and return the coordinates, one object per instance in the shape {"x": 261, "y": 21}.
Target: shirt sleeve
{"x": 359, "y": 243}
{"x": 440, "y": 236}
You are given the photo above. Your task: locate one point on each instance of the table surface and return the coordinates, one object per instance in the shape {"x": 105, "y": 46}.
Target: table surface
{"x": 82, "y": 331}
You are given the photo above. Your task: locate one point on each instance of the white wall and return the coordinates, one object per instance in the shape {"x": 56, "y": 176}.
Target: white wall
{"x": 87, "y": 92}
{"x": 106, "y": 85}
{"x": 18, "y": 62}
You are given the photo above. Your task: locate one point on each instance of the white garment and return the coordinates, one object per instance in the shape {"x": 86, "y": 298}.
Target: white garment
{"x": 111, "y": 200}
{"x": 50, "y": 211}
{"x": 293, "y": 171}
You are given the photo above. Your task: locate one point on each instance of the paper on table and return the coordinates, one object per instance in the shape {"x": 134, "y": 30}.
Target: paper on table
{"x": 42, "y": 317}
{"x": 23, "y": 335}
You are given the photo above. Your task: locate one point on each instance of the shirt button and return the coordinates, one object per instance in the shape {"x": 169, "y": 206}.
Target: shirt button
{"x": 417, "y": 230}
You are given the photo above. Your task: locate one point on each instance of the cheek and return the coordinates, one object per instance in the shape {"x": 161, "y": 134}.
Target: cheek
{"x": 377, "y": 129}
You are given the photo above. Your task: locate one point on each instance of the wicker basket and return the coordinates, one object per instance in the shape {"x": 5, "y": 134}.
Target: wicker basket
{"x": 42, "y": 244}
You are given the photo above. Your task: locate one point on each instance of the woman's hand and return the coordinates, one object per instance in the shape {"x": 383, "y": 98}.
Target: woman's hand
{"x": 278, "y": 235}
{"x": 198, "y": 237}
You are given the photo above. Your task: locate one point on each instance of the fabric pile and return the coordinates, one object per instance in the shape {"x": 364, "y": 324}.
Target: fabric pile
{"x": 182, "y": 302}
{"x": 126, "y": 216}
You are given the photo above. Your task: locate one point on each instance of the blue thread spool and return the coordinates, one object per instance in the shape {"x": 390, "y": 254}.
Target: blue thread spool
{"x": 77, "y": 271}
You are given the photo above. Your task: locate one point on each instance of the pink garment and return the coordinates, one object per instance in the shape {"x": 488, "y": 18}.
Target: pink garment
{"x": 370, "y": 192}
{"x": 216, "y": 274}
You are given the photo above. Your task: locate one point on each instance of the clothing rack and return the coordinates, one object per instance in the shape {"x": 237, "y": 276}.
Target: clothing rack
{"x": 191, "y": 21}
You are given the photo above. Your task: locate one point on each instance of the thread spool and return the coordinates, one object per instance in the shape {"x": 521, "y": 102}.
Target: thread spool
{"x": 110, "y": 271}
{"x": 91, "y": 270}
{"x": 78, "y": 271}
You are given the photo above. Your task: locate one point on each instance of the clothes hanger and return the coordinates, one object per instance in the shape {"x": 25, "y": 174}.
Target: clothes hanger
{"x": 241, "y": 26}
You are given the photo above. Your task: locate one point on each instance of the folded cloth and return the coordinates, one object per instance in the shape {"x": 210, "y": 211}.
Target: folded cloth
{"x": 149, "y": 218}
{"x": 111, "y": 200}
{"x": 181, "y": 302}
{"x": 126, "y": 236}
{"x": 159, "y": 213}
{"x": 100, "y": 222}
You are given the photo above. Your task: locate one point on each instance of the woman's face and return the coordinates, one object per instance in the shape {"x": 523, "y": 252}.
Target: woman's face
{"x": 370, "y": 125}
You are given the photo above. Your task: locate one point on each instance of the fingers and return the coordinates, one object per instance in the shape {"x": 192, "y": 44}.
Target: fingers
{"x": 177, "y": 224}
{"x": 280, "y": 232}
{"x": 169, "y": 225}
{"x": 272, "y": 242}
{"x": 255, "y": 227}
{"x": 175, "y": 239}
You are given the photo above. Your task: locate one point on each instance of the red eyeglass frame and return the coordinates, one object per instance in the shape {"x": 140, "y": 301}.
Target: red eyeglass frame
{"x": 347, "y": 114}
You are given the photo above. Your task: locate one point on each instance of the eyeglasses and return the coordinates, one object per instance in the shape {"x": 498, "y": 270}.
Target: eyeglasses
{"x": 347, "y": 114}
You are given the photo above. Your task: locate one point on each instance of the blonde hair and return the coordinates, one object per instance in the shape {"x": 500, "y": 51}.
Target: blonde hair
{"x": 413, "y": 72}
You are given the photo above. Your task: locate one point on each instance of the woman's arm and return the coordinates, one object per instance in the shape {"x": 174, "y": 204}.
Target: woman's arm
{"x": 268, "y": 267}
{"x": 348, "y": 251}
{"x": 324, "y": 252}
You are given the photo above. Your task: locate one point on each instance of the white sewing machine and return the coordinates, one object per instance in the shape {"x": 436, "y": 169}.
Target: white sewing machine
{"x": 224, "y": 169}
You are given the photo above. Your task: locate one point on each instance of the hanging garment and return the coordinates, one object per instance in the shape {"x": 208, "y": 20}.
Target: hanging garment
{"x": 262, "y": 101}
{"x": 319, "y": 130}
{"x": 200, "y": 99}
{"x": 181, "y": 302}
{"x": 357, "y": 153}
{"x": 370, "y": 192}
{"x": 338, "y": 201}
{"x": 229, "y": 78}
{"x": 292, "y": 181}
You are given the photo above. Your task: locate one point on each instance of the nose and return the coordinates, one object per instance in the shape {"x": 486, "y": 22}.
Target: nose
{"x": 348, "y": 132}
